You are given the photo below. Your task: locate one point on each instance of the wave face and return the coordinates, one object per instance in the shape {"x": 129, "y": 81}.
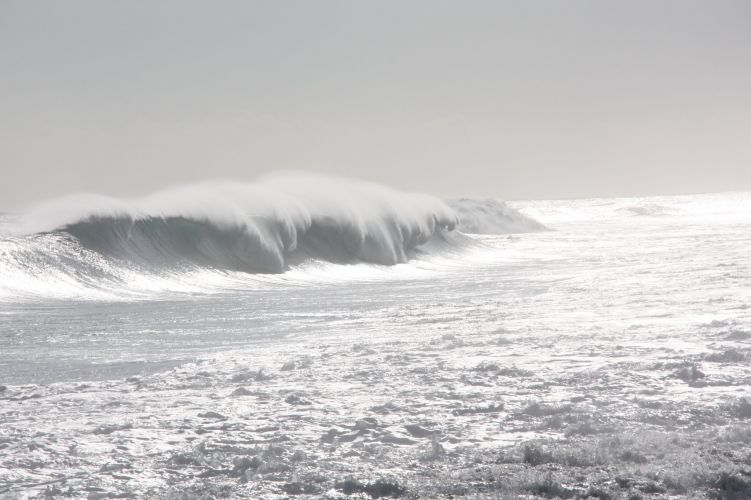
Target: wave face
{"x": 491, "y": 216}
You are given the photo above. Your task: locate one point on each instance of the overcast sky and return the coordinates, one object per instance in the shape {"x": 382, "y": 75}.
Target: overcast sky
{"x": 522, "y": 99}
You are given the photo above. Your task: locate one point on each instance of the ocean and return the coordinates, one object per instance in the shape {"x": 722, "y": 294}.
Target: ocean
{"x": 316, "y": 337}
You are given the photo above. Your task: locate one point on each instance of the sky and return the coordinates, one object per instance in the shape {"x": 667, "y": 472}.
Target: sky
{"x": 510, "y": 99}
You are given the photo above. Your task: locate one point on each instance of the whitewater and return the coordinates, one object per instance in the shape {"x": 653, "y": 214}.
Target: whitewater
{"x": 309, "y": 336}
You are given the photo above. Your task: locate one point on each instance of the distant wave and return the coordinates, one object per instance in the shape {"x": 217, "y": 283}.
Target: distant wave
{"x": 491, "y": 216}
{"x": 646, "y": 210}
{"x": 265, "y": 227}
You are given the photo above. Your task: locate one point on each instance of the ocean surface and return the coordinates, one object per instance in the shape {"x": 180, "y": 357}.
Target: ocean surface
{"x": 333, "y": 338}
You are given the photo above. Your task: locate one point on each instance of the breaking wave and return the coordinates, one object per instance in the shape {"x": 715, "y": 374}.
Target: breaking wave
{"x": 266, "y": 227}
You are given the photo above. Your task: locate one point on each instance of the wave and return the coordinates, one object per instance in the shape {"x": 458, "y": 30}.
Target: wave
{"x": 491, "y": 216}
{"x": 646, "y": 210}
{"x": 267, "y": 227}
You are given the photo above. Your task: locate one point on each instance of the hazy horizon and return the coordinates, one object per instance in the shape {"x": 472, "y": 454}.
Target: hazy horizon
{"x": 533, "y": 100}
{"x": 135, "y": 197}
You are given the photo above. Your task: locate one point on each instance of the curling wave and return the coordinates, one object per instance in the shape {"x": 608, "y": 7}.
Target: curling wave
{"x": 265, "y": 227}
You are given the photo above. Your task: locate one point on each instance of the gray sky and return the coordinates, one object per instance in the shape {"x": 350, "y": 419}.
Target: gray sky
{"x": 522, "y": 99}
